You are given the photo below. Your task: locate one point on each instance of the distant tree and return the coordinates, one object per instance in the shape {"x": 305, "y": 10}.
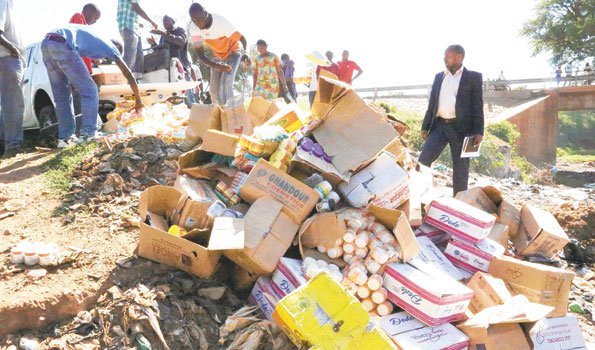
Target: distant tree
{"x": 566, "y": 28}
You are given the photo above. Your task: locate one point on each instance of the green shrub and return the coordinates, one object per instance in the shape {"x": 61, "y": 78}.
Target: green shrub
{"x": 505, "y": 131}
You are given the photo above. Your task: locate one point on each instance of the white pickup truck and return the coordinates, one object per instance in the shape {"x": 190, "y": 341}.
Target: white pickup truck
{"x": 158, "y": 86}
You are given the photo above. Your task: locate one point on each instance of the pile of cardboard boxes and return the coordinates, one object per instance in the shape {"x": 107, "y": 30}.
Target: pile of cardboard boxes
{"x": 457, "y": 278}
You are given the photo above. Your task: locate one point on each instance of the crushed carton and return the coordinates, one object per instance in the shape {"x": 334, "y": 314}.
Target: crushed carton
{"x": 478, "y": 198}
{"x": 499, "y": 234}
{"x": 460, "y": 219}
{"x": 155, "y": 243}
{"x": 264, "y": 296}
{"x": 265, "y": 180}
{"x": 557, "y": 333}
{"x": 487, "y": 291}
{"x": 432, "y": 299}
{"x": 324, "y": 315}
{"x": 191, "y": 211}
{"x": 321, "y": 230}
{"x": 539, "y": 233}
{"x": 473, "y": 257}
{"x": 202, "y": 118}
{"x": 199, "y": 164}
{"x": 514, "y": 310}
{"x": 263, "y": 236}
{"x": 383, "y": 183}
{"x": 288, "y": 276}
{"x": 509, "y": 215}
{"x": 436, "y": 235}
{"x": 243, "y": 280}
{"x": 431, "y": 260}
{"x": 539, "y": 283}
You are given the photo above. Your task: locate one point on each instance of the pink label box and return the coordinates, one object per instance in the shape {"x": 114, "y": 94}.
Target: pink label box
{"x": 288, "y": 277}
{"x": 473, "y": 257}
{"x": 264, "y": 297}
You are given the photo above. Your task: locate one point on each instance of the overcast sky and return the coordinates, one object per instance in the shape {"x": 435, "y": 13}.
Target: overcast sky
{"x": 395, "y": 42}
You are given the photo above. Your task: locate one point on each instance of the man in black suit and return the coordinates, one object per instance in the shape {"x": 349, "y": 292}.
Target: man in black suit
{"x": 455, "y": 110}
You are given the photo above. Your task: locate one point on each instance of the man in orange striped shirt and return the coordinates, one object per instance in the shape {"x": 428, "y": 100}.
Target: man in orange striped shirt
{"x": 219, "y": 35}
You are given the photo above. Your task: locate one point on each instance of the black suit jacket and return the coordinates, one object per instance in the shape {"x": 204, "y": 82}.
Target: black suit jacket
{"x": 469, "y": 105}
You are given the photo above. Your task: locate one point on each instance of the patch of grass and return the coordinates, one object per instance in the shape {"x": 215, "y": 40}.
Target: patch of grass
{"x": 60, "y": 166}
{"x": 575, "y": 155}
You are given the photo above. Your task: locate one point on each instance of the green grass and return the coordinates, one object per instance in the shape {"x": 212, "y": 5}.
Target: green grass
{"x": 575, "y": 155}
{"x": 60, "y": 167}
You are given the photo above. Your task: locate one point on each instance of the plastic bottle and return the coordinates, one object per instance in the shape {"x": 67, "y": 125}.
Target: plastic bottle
{"x": 30, "y": 254}
{"x": 17, "y": 255}
{"x": 45, "y": 255}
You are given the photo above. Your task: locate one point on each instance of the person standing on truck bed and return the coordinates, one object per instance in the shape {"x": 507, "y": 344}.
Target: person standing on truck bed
{"x": 12, "y": 104}
{"x": 455, "y": 110}
{"x": 128, "y": 12}
{"x": 87, "y": 17}
{"x": 62, "y": 49}
{"x": 215, "y": 32}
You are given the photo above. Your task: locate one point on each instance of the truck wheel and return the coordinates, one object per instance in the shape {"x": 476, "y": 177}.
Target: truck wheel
{"x": 47, "y": 116}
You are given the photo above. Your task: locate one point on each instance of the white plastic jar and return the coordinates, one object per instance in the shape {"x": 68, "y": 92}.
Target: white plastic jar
{"x": 45, "y": 255}
{"x": 17, "y": 255}
{"x": 30, "y": 253}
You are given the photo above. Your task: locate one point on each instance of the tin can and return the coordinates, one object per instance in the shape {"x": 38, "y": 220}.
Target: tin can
{"x": 324, "y": 189}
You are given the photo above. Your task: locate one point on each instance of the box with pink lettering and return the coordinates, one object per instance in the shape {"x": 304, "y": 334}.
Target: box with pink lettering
{"x": 459, "y": 219}
{"x": 432, "y": 299}
{"x": 264, "y": 297}
{"x": 288, "y": 277}
{"x": 473, "y": 257}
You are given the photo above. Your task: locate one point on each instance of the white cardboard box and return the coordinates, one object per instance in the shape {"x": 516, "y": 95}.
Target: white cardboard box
{"x": 443, "y": 337}
{"x": 560, "y": 333}
{"x": 431, "y": 260}
{"x": 399, "y": 322}
{"x": 432, "y": 299}
{"x": 288, "y": 276}
{"x": 264, "y": 296}
{"x": 473, "y": 257}
{"x": 460, "y": 219}
{"x": 435, "y": 234}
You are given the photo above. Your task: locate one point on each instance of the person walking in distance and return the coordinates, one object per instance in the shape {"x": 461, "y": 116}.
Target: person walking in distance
{"x": 269, "y": 80}
{"x": 289, "y": 70}
{"x": 346, "y": 68}
{"x": 455, "y": 110}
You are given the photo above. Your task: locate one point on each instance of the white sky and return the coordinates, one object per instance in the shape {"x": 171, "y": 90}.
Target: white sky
{"x": 395, "y": 42}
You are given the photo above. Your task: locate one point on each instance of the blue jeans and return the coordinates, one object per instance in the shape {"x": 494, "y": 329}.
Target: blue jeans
{"x": 190, "y": 99}
{"x": 11, "y": 102}
{"x": 133, "y": 50}
{"x": 221, "y": 84}
{"x": 65, "y": 67}
{"x": 440, "y": 135}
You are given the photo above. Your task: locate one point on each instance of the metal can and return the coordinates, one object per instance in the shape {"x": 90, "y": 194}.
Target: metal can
{"x": 324, "y": 189}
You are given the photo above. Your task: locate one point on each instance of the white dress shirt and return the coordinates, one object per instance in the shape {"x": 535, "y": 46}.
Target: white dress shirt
{"x": 448, "y": 94}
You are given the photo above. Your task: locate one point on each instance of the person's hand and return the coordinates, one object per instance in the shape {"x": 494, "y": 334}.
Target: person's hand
{"x": 158, "y": 32}
{"x": 477, "y": 140}
{"x": 151, "y": 41}
{"x": 225, "y": 68}
{"x": 423, "y": 134}
{"x": 139, "y": 106}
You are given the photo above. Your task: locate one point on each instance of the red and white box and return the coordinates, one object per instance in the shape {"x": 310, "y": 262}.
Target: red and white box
{"x": 460, "y": 219}
{"x": 443, "y": 337}
{"x": 557, "y": 333}
{"x": 288, "y": 277}
{"x": 264, "y": 296}
{"x": 473, "y": 257}
{"x": 436, "y": 235}
{"x": 432, "y": 299}
{"x": 431, "y": 260}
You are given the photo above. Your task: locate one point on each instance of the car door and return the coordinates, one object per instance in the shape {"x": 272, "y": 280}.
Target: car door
{"x": 29, "y": 120}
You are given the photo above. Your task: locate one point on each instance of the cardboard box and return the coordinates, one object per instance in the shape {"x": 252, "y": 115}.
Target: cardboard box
{"x": 539, "y": 283}
{"x": 109, "y": 74}
{"x": 191, "y": 211}
{"x": 322, "y": 314}
{"x": 410, "y": 247}
{"x": 202, "y": 118}
{"x": 321, "y": 230}
{"x": 460, "y": 219}
{"x": 473, "y": 257}
{"x": 432, "y": 299}
{"x": 288, "y": 276}
{"x": 539, "y": 233}
{"x": 431, "y": 260}
{"x": 352, "y": 132}
{"x": 436, "y": 235}
{"x": 219, "y": 142}
{"x": 199, "y": 164}
{"x": 261, "y": 110}
{"x": 267, "y": 234}
{"x": 557, "y": 333}
{"x": 499, "y": 234}
{"x": 487, "y": 291}
{"x": 234, "y": 119}
{"x": 517, "y": 309}
{"x": 243, "y": 280}
{"x": 442, "y": 337}
{"x": 495, "y": 337}
{"x": 290, "y": 117}
{"x": 158, "y": 245}
{"x": 264, "y": 297}
{"x": 400, "y": 322}
{"x": 265, "y": 180}
{"x": 383, "y": 183}
{"x": 509, "y": 215}
{"x": 476, "y": 197}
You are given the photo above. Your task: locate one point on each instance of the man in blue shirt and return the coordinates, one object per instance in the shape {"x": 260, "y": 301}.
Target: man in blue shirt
{"x": 63, "y": 49}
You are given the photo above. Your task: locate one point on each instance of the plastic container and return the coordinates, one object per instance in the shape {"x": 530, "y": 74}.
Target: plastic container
{"x": 45, "y": 255}
{"x": 306, "y": 145}
{"x": 17, "y": 256}
{"x": 30, "y": 254}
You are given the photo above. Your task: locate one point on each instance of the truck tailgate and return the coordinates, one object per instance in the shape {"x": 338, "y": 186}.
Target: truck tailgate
{"x": 150, "y": 93}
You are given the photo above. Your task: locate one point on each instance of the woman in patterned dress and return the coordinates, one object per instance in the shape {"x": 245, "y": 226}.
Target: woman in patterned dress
{"x": 269, "y": 79}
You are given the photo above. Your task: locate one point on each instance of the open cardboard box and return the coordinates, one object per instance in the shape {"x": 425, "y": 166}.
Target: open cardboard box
{"x": 155, "y": 243}
{"x": 539, "y": 233}
{"x": 261, "y": 110}
{"x": 199, "y": 164}
{"x": 191, "y": 210}
{"x": 202, "y": 118}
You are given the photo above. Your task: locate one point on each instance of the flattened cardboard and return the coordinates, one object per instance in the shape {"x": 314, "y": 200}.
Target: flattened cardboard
{"x": 557, "y": 333}
{"x": 219, "y": 142}
{"x": 509, "y": 215}
{"x": 160, "y": 246}
{"x": 431, "y": 260}
{"x": 476, "y": 197}
{"x": 398, "y": 221}
{"x": 539, "y": 283}
{"x": 499, "y": 234}
{"x": 495, "y": 337}
{"x": 442, "y": 337}
{"x": 487, "y": 291}
{"x": 539, "y": 233}
{"x": 515, "y": 310}
{"x": 202, "y": 118}
{"x": 265, "y": 180}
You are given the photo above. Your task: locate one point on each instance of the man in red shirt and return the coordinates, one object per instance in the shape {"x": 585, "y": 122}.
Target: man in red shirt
{"x": 346, "y": 68}
{"x": 333, "y": 68}
{"x": 88, "y": 16}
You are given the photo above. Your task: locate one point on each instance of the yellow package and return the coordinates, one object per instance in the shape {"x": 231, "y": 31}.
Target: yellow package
{"x": 323, "y": 315}
{"x": 288, "y": 119}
